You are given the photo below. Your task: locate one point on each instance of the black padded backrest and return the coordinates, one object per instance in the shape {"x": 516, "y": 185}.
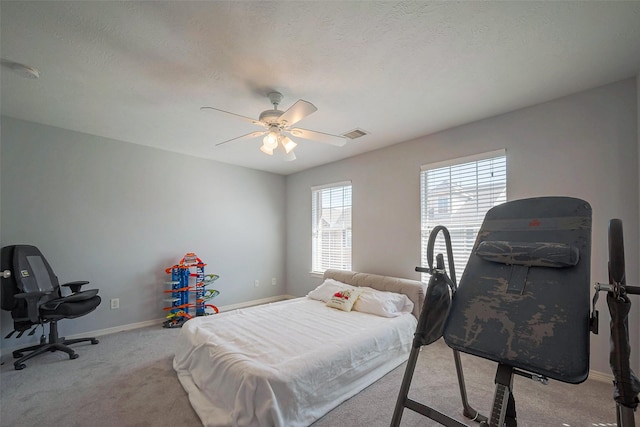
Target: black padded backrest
{"x": 523, "y": 299}
{"x": 30, "y": 272}
{"x": 41, "y": 279}
{"x": 33, "y": 272}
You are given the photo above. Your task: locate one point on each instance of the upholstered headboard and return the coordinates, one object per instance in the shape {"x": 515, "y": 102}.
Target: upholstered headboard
{"x": 414, "y": 289}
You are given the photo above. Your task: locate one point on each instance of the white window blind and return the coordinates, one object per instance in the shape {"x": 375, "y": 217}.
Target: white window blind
{"x": 331, "y": 227}
{"x": 457, "y": 194}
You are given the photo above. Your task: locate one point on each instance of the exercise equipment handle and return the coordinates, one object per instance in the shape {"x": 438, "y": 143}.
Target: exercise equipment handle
{"x": 632, "y": 289}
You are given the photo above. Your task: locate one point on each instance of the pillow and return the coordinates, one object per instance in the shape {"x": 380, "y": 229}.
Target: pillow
{"x": 344, "y": 299}
{"x": 381, "y": 303}
{"x": 326, "y": 290}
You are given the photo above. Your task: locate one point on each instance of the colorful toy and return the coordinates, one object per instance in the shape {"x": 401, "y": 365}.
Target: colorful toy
{"x": 188, "y": 282}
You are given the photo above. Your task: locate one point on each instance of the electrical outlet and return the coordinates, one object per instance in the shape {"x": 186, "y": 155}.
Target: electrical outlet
{"x": 256, "y": 283}
{"x": 273, "y": 281}
{"x": 115, "y": 303}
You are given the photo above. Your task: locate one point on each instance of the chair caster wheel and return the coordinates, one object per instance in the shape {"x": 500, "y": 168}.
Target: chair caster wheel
{"x": 74, "y": 356}
{"x": 20, "y": 367}
{"x": 94, "y": 342}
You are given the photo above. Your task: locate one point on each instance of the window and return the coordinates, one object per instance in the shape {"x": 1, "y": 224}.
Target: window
{"x": 331, "y": 227}
{"x": 457, "y": 194}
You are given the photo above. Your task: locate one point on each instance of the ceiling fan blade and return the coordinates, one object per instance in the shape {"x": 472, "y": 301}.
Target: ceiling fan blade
{"x": 313, "y": 135}
{"x": 297, "y": 112}
{"x": 245, "y": 118}
{"x": 247, "y": 136}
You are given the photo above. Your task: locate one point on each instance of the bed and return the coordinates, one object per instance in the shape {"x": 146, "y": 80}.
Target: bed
{"x": 288, "y": 363}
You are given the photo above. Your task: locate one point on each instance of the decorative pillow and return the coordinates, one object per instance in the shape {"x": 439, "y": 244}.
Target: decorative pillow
{"x": 381, "y": 303}
{"x": 344, "y": 299}
{"x": 327, "y": 289}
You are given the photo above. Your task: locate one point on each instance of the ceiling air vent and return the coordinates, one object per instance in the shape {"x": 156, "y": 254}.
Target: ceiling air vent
{"x": 356, "y": 133}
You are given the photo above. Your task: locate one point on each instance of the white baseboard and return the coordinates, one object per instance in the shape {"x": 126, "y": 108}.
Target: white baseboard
{"x": 146, "y": 323}
{"x": 254, "y": 302}
{"x": 121, "y": 328}
{"x": 600, "y": 376}
{"x": 159, "y": 321}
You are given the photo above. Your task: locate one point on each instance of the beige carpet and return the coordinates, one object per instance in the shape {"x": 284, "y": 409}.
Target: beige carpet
{"x": 128, "y": 380}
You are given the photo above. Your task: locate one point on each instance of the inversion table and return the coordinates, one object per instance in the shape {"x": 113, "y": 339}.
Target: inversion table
{"x": 522, "y": 301}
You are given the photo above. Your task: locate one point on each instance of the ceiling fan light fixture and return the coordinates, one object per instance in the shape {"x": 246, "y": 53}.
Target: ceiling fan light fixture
{"x": 287, "y": 144}
{"x": 266, "y": 150}
{"x": 271, "y": 139}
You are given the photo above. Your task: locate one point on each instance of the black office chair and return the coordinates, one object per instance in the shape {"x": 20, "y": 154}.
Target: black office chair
{"x": 32, "y": 294}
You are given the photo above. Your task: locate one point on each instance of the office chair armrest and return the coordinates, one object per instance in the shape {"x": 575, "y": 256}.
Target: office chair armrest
{"x": 32, "y": 299}
{"x": 75, "y": 286}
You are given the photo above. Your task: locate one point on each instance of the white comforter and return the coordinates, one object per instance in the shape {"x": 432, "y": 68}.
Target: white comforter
{"x": 287, "y": 363}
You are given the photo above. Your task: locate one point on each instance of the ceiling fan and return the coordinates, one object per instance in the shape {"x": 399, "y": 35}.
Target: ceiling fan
{"x": 278, "y": 127}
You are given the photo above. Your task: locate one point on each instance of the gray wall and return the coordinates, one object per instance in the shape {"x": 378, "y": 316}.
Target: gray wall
{"x": 117, "y": 214}
{"x": 584, "y": 145}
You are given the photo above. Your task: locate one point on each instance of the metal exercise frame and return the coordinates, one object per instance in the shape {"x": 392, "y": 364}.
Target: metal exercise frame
{"x": 428, "y": 330}
{"x": 523, "y": 302}
{"x": 626, "y": 384}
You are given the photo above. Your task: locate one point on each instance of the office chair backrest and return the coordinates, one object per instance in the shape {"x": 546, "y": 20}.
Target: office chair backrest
{"x": 31, "y": 273}
{"x": 35, "y": 273}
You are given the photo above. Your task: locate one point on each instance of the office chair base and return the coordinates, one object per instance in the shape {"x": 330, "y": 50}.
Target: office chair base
{"x": 43, "y": 348}
{"x": 55, "y": 343}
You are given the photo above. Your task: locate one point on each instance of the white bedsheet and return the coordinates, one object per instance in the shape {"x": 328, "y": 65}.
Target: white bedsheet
{"x": 287, "y": 363}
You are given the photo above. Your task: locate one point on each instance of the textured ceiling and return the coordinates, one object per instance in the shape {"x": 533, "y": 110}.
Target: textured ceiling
{"x": 140, "y": 71}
